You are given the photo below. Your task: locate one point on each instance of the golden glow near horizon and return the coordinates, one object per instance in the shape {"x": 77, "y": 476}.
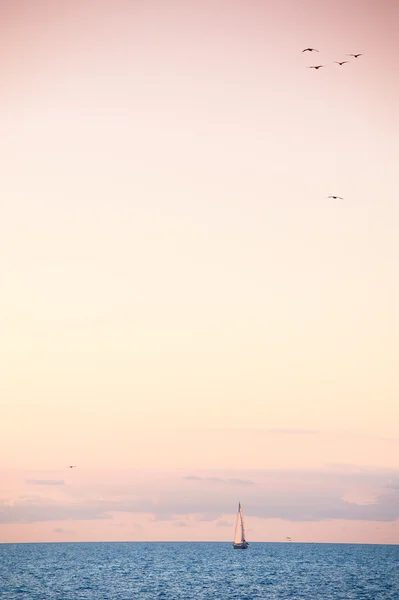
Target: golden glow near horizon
{"x": 178, "y": 294}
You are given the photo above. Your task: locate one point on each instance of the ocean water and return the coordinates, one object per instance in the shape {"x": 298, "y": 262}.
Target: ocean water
{"x": 198, "y": 571}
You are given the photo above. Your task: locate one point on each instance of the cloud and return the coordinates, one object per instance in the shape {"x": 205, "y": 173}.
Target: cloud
{"x": 360, "y": 496}
{"x": 240, "y": 481}
{"x": 224, "y": 523}
{"x": 231, "y": 480}
{"x": 61, "y": 530}
{"x": 45, "y": 481}
{"x": 269, "y": 430}
{"x": 293, "y": 431}
{"x": 37, "y": 509}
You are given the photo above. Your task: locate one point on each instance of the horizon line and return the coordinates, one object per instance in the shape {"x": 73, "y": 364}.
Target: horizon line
{"x": 200, "y": 542}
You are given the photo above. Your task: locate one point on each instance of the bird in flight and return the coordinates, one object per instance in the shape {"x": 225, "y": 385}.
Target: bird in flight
{"x": 289, "y": 539}
{"x": 341, "y": 63}
{"x": 71, "y": 466}
{"x": 335, "y": 197}
{"x": 310, "y": 50}
{"x": 355, "y": 55}
{"x": 316, "y": 67}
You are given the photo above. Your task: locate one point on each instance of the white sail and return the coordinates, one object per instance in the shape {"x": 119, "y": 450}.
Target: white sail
{"x": 239, "y": 534}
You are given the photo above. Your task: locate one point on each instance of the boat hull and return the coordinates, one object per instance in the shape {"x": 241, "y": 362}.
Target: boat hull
{"x": 242, "y": 546}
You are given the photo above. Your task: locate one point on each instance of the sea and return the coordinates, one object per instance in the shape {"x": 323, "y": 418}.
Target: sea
{"x": 198, "y": 571}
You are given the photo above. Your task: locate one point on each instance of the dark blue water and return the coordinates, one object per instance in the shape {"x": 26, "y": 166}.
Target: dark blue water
{"x": 194, "y": 571}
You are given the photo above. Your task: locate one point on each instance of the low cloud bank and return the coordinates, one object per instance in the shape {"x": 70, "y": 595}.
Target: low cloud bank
{"x": 44, "y": 481}
{"x": 291, "y": 496}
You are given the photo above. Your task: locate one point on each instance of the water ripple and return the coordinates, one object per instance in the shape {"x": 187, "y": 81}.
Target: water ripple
{"x": 198, "y": 571}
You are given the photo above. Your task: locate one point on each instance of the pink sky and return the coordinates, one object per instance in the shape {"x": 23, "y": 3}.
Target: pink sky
{"x": 178, "y": 296}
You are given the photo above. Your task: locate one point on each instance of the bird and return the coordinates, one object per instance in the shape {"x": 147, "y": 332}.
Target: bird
{"x": 355, "y": 55}
{"x": 71, "y": 466}
{"x": 335, "y": 197}
{"x": 341, "y": 63}
{"x": 316, "y": 67}
{"x": 289, "y": 539}
{"x": 310, "y": 50}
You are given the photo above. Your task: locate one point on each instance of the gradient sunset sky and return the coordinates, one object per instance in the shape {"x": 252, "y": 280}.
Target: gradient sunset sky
{"x": 185, "y": 315}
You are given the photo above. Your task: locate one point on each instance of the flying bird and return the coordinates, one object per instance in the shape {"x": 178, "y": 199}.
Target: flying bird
{"x": 71, "y": 466}
{"x": 335, "y": 197}
{"x": 355, "y": 55}
{"x": 316, "y": 67}
{"x": 310, "y": 50}
{"x": 341, "y": 63}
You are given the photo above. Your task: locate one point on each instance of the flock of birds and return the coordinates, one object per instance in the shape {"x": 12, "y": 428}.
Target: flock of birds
{"x": 338, "y": 62}
{"x": 316, "y": 67}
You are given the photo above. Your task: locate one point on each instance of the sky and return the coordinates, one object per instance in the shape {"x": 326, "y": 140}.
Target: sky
{"x": 184, "y": 314}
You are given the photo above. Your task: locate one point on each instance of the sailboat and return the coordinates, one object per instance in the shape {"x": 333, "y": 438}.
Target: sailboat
{"x": 239, "y": 542}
